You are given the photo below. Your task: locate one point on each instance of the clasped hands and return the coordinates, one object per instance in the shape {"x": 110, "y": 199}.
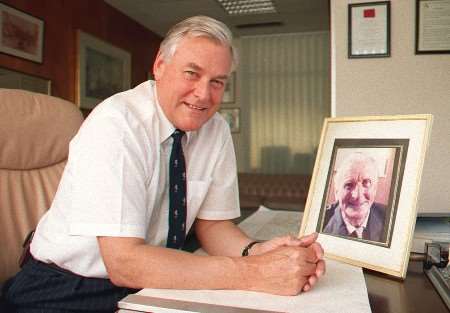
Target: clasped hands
{"x": 285, "y": 265}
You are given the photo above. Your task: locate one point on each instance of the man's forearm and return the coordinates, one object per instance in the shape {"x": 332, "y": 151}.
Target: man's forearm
{"x": 135, "y": 264}
{"x": 221, "y": 237}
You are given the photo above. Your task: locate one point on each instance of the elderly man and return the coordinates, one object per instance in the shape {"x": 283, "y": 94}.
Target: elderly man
{"x": 146, "y": 166}
{"x": 355, "y": 212}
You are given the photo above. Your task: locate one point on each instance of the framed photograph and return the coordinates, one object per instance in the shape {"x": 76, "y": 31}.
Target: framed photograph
{"x": 369, "y": 30}
{"x": 21, "y": 34}
{"x": 231, "y": 115}
{"x": 364, "y": 189}
{"x": 102, "y": 70}
{"x": 432, "y": 26}
{"x": 12, "y": 79}
{"x": 230, "y": 90}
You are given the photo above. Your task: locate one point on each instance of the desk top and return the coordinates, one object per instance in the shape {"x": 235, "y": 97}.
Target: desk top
{"x": 385, "y": 294}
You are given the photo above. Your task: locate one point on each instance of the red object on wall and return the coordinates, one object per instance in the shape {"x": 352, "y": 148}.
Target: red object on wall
{"x": 369, "y": 13}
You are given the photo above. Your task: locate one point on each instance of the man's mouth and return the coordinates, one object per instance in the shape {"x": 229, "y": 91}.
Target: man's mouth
{"x": 194, "y": 107}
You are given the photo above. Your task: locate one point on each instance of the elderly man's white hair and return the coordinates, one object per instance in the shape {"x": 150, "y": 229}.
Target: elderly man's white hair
{"x": 352, "y": 159}
{"x": 198, "y": 26}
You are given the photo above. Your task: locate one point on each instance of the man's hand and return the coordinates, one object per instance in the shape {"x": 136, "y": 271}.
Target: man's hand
{"x": 288, "y": 240}
{"x": 291, "y": 241}
{"x": 283, "y": 271}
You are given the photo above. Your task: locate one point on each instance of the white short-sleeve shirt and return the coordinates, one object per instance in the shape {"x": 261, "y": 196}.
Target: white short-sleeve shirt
{"x": 116, "y": 181}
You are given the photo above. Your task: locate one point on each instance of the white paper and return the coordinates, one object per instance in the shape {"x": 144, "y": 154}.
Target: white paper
{"x": 341, "y": 290}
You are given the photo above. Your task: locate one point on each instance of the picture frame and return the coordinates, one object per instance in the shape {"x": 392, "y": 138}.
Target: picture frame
{"x": 21, "y": 34}
{"x": 366, "y": 180}
{"x": 102, "y": 70}
{"x": 231, "y": 116}
{"x": 13, "y": 79}
{"x": 229, "y": 94}
{"x": 369, "y": 29}
{"x": 432, "y": 27}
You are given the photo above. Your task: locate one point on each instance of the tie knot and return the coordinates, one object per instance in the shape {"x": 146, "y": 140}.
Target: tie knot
{"x": 177, "y": 134}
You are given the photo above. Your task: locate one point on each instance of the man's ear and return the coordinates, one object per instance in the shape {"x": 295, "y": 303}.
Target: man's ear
{"x": 158, "y": 66}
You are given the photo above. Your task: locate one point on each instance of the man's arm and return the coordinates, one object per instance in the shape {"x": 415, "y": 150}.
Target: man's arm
{"x": 130, "y": 262}
{"x": 221, "y": 237}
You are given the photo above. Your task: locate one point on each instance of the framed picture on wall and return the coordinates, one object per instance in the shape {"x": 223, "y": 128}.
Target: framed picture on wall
{"x": 230, "y": 91}
{"x": 432, "y": 26}
{"x": 364, "y": 189}
{"x": 21, "y": 34}
{"x": 369, "y": 29}
{"x": 102, "y": 70}
{"x": 17, "y": 80}
{"x": 231, "y": 115}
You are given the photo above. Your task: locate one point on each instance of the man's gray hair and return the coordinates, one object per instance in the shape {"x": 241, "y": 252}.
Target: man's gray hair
{"x": 356, "y": 158}
{"x": 198, "y": 26}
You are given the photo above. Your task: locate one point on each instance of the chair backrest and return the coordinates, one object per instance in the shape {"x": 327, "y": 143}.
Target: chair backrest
{"x": 35, "y": 131}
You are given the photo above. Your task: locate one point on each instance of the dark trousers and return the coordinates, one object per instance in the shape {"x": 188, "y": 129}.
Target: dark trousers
{"x": 43, "y": 288}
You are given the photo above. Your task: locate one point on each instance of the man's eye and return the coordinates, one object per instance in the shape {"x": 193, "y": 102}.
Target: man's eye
{"x": 349, "y": 186}
{"x": 217, "y": 83}
{"x": 190, "y": 74}
{"x": 367, "y": 183}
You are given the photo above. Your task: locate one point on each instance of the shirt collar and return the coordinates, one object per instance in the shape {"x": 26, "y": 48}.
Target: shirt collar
{"x": 166, "y": 128}
{"x": 350, "y": 228}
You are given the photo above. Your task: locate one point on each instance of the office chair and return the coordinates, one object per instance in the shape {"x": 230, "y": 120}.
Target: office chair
{"x": 35, "y": 131}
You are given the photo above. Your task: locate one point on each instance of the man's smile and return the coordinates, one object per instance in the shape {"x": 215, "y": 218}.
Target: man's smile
{"x": 194, "y": 107}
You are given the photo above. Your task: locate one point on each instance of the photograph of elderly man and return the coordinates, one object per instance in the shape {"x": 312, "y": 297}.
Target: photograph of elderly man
{"x": 353, "y": 211}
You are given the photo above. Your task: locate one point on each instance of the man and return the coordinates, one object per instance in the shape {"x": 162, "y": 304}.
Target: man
{"x": 146, "y": 165}
{"x": 355, "y": 212}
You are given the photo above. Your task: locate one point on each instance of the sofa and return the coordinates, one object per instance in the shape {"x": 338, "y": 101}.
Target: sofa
{"x": 275, "y": 191}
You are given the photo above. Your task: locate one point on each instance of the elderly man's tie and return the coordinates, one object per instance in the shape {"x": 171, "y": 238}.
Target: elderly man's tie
{"x": 177, "y": 194}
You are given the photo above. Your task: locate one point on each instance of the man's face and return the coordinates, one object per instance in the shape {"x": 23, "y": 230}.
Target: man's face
{"x": 355, "y": 190}
{"x": 190, "y": 85}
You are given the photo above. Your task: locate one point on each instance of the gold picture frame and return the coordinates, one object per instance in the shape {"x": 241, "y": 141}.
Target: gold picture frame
{"x": 102, "y": 70}
{"x": 395, "y": 147}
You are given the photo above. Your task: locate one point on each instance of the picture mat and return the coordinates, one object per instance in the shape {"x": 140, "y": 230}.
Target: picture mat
{"x": 392, "y": 260}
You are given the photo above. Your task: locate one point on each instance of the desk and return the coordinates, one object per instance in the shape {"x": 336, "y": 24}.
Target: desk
{"x": 386, "y": 294}
{"x": 414, "y": 294}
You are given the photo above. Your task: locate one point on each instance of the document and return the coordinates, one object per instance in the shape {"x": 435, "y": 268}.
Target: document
{"x": 341, "y": 290}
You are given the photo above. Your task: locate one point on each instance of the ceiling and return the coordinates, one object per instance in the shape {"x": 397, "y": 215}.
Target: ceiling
{"x": 294, "y": 15}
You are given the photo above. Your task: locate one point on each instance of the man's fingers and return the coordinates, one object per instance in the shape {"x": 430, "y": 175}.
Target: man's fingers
{"x": 309, "y": 239}
{"x": 321, "y": 268}
{"x": 318, "y": 250}
{"x": 312, "y": 280}
{"x": 306, "y": 287}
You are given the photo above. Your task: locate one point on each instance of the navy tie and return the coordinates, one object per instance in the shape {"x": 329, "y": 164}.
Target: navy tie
{"x": 177, "y": 194}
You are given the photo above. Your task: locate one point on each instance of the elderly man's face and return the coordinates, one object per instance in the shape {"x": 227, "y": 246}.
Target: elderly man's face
{"x": 355, "y": 191}
{"x": 190, "y": 85}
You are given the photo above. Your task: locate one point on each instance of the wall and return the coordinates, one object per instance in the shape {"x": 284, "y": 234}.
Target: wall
{"x": 404, "y": 83}
{"x": 62, "y": 19}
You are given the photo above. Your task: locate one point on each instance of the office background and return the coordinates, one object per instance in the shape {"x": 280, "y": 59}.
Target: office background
{"x": 280, "y": 121}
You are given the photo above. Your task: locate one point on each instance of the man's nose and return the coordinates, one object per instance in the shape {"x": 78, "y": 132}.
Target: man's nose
{"x": 201, "y": 90}
{"x": 357, "y": 191}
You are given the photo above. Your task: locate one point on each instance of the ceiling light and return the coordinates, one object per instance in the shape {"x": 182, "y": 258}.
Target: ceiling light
{"x": 243, "y": 7}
